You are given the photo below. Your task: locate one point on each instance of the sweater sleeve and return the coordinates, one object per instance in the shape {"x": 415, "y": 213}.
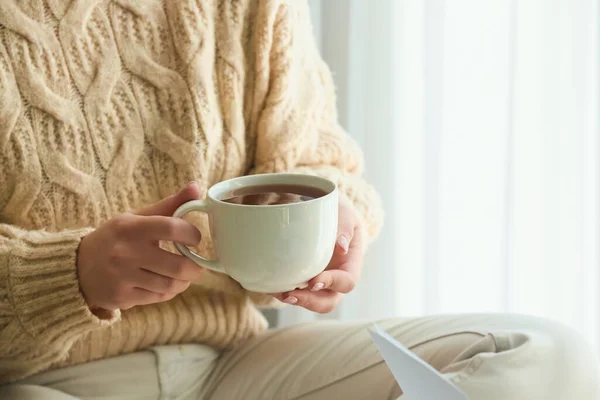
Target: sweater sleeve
{"x": 42, "y": 311}
{"x": 298, "y": 129}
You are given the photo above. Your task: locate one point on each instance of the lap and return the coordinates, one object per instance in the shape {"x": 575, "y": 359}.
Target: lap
{"x": 491, "y": 357}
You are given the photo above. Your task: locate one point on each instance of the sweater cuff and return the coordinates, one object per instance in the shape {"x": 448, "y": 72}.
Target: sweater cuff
{"x": 44, "y": 287}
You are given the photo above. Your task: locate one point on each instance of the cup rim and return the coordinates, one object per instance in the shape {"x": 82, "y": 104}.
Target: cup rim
{"x": 272, "y": 178}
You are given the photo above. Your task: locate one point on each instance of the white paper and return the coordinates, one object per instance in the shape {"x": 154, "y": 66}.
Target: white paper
{"x": 417, "y": 379}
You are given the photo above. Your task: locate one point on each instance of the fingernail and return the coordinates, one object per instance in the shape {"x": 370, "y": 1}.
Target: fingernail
{"x": 343, "y": 243}
{"x": 190, "y": 184}
{"x": 318, "y": 286}
{"x": 290, "y": 300}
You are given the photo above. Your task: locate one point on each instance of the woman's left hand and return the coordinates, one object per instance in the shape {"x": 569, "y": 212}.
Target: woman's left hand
{"x": 325, "y": 291}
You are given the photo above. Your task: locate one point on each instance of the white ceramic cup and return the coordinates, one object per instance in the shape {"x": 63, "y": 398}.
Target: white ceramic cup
{"x": 268, "y": 248}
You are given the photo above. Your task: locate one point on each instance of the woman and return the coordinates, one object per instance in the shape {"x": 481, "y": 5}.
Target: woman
{"x": 108, "y": 107}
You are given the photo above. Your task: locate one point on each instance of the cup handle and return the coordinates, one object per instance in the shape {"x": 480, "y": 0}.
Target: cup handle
{"x": 196, "y": 205}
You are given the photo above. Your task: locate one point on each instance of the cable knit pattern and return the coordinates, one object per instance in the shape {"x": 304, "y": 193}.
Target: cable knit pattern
{"x": 107, "y": 106}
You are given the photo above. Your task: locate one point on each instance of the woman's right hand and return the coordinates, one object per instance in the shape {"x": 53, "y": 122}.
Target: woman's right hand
{"x": 121, "y": 265}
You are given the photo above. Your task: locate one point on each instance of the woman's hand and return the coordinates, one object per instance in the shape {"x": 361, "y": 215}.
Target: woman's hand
{"x": 120, "y": 264}
{"x": 325, "y": 291}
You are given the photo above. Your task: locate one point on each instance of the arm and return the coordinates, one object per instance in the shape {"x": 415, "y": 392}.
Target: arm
{"x": 297, "y": 128}
{"x": 49, "y": 281}
{"x": 42, "y": 311}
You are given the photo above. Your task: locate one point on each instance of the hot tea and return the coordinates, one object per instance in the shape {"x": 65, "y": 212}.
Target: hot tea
{"x": 273, "y": 194}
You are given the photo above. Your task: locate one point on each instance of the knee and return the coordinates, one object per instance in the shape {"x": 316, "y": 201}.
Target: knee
{"x": 534, "y": 359}
{"x": 564, "y": 359}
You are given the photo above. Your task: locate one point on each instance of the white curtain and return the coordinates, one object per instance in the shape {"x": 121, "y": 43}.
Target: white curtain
{"x": 480, "y": 125}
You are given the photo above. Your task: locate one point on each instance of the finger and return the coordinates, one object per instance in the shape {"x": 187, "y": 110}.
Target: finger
{"x": 171, "y": 265}
{"x": 336, "y": 280}
{"x": 345, "y": 232}
{"x": 343, "y": 272}
{"x": 158, "y": 283}
{"x": 167, "y": 228}
{"x": 319, "y": 302}
{"x": 168, "y": 205}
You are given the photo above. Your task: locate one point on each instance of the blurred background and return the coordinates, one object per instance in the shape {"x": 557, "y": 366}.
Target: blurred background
{"x": 480, "y": 126}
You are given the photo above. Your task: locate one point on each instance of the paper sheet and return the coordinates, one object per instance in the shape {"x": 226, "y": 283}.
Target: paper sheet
{"x": 417, "y": 379}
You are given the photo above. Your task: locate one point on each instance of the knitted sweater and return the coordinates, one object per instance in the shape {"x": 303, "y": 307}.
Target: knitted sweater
{"x": 106, "y": 106}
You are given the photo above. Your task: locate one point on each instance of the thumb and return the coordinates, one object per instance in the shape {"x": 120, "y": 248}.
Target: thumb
{"x": 168, "y": 205}
{"x": 344, "y": 236}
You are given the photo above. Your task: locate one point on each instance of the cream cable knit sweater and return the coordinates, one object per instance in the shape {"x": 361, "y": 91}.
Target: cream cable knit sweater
{"x": 106, "y": 106}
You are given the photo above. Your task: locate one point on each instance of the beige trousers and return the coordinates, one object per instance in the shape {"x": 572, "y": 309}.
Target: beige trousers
{"x": 491, "y": 357}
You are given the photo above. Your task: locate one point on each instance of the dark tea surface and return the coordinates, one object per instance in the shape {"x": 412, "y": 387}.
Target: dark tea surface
{"x": 273, "y": 194}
